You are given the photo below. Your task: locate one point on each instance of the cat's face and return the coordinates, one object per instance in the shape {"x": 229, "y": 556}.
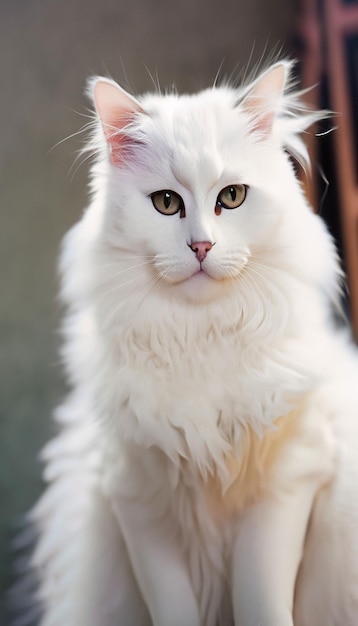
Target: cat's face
{"x": 198, "y": 184}
{"x": 193, "y": 201}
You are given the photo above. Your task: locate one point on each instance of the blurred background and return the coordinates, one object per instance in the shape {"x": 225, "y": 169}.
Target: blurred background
{"x": 47, "y": 50}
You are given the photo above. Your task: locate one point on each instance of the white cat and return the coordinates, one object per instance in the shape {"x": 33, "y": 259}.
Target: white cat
{"x": 206, "y": 470}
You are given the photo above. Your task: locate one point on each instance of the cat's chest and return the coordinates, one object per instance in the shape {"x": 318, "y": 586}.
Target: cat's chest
{"x": 191, "y": 393}
{"x": 199, "y": 382}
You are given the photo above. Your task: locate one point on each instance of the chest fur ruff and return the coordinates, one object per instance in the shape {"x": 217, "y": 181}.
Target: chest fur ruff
{"x": 197, "y": 401}
{"x": 211, "y": 408}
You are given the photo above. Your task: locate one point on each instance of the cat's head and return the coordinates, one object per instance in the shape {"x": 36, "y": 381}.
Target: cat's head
{"x": 200, "y": 192}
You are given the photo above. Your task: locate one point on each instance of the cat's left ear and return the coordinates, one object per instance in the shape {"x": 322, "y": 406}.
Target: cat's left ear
{"x": 116, "y": 110}
{"x": 262, "y": 102}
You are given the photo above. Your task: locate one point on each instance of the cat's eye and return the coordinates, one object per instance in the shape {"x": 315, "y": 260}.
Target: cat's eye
{"x": 231, "y": 197}
{"x": 168, "y": 202}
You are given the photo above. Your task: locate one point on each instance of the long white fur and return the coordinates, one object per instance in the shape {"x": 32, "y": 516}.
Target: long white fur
{"x": 209, "y": 418}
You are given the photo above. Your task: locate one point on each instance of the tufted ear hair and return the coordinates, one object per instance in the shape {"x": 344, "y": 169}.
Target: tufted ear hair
{"x": 116, "y": 109}
{"x": 263, "y": 101}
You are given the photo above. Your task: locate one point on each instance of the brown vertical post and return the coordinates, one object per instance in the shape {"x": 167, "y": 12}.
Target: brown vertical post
{"x": 311, "y": 71}
{"x": 341, "y": 21}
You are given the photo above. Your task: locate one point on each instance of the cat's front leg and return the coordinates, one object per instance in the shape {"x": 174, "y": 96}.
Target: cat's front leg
{"x": 266, "y": 556}
{"x": 270, "y": 535}
{"x": 158, "y": 564}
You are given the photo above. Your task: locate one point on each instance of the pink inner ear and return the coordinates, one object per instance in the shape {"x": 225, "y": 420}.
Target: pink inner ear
{"x": 119, "y": 143}
{"x": 262, "y": 122}
{"x": 263, "y": 100}
{"x": 116, "y": 110}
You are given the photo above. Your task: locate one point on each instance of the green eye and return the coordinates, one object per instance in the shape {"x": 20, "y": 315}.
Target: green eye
{"x": 231, "y": 196}
{"x": 168, "y": 202}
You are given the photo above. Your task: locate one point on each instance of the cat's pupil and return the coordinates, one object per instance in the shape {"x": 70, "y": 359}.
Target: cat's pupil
{"x": 232, "y": 192}
{"x": 167, "y": 199}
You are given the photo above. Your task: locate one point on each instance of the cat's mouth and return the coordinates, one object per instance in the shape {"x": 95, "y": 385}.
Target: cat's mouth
{"x": 213, "y": 273}
{"x": 202, "y": 272}
{"x": 205, "y": 282}
{"x": 204, "y": 275}
{"x": 202, "y": 286}
{"x": 216, "y": 274}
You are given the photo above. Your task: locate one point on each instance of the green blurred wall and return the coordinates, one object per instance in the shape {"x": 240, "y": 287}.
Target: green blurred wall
{"x": 47, "y": 49}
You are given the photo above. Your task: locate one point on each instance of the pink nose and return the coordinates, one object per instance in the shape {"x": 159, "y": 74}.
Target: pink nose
{"x": 201, "y": 248}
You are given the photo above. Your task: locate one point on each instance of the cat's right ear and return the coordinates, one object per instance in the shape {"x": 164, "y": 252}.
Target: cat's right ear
{"x": 116, "y": 110}
{"x": 263, "y": 100}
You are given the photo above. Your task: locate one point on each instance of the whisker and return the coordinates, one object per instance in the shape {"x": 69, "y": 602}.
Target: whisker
{"x": 155, "y": 279}
{"x": 88, "y": 157}
{"x": 250, "y": 280}
{"x": 126, "y": 269}
{"x": 128, "y": 84}
{"x": 262, "y": 268}
{"x": 217, "y": 75}
{"x": 89, "y": 115}
{"x": 120, "y": 286}
{"x": 159, "y": 280}
{"x": 155, "y": 80}
{"x": 267, "y": 280}
{"x": 84, "y": 129}
{"x": 144, "y": 257}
